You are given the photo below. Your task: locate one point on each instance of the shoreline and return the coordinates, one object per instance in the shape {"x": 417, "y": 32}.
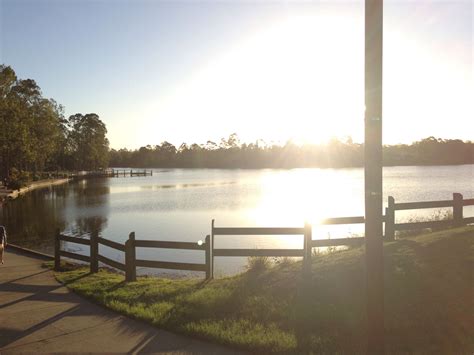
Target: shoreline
{"x": 6, "y": 195}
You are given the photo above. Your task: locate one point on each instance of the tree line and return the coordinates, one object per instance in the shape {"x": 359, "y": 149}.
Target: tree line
{"x": 230, "y": 153}
{"x": 35, "y": 136}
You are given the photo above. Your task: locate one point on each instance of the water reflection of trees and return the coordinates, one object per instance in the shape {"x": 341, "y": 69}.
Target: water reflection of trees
{"x": 32, "y": 219}
{"x": 86, "y": 225}
{"x": 91, "y": 192}
{"x": 89, "y": 207}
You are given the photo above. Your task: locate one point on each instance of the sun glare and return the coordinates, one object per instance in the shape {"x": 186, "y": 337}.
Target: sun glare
{"x": 286, "y": 81}
{"x": 301, "y": 78}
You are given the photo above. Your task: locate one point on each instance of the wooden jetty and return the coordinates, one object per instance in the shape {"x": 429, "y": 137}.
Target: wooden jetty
{"x": 112, "y": 173}
{"x": 131, "y": 173}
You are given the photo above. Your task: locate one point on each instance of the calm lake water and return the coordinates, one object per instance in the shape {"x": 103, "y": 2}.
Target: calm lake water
{"x": 179, "y": 204}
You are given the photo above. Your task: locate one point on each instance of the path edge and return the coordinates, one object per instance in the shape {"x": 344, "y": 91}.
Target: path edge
{"x": 30, "y": 252}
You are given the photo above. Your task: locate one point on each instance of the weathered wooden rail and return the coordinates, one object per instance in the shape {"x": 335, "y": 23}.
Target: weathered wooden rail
{"x": 130, "y": 246}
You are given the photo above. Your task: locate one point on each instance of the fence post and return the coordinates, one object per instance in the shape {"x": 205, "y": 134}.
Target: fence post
{"x": 457, "y": 209}
{"x": 208, "y": 257}
{"x": 212, "y": 250}
{"x": 57, "y": 248}
{"x": 94, "y": 251}
{"x": 130, "y": 268}
{"x": 307, "y": 250}
{"x": 390, "y": 219}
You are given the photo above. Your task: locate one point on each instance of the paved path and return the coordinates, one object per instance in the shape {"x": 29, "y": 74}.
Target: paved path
{"x": 39, "y": 315}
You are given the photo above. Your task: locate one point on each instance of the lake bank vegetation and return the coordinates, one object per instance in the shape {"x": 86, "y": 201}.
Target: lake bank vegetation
{"x": 230, "y": 153}
{"x": 270, "y": 308}
{"x": 35, "y": 137}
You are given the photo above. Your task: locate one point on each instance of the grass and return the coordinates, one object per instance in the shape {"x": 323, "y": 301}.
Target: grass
{"x": 270, "y": 308}
{"x": 437, "y": 215}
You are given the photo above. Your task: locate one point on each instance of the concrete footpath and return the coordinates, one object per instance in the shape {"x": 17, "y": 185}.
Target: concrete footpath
{"x": 39, "y": 315}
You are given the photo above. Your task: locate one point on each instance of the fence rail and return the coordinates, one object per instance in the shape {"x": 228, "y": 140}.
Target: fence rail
{"x": 111, "y": 244}
{"x": 257, "y": 231}
{"x": 259, "y": 252}
{"x": 70, "y": 255}
{"x": 131, "y": 261}
{"x": 468, "y": 202}
{"x": 343, "y": 220}
{"x": 171, "y": 265}
{"x": 76, "y": 240}
{"x": 356, "y": 241}
{"x": 168, "y": 245}
{"x": 111, "y": 262}
{"x": 421, "y": 205}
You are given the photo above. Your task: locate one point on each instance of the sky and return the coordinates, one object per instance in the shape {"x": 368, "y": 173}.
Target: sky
{"x": 192, "y": 71}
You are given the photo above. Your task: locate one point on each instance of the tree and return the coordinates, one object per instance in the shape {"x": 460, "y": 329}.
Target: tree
{"x": 88, "y": 140}
{"x": 8, "y": 122}
{"x": 26, "y": 119}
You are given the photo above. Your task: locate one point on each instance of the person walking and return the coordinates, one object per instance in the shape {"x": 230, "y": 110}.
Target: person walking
{"x": 3, "y": 241}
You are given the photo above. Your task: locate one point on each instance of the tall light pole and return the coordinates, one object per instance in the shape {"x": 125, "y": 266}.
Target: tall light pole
{"x": 373, "y": 174}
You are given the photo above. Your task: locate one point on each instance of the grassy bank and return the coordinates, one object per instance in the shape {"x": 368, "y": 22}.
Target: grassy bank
{"x": 428, "y": 289}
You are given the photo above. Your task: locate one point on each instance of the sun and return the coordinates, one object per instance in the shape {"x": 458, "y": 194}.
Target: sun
{"x": 300, "y": 78}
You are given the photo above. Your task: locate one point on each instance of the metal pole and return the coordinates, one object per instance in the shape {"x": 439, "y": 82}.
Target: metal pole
{"x": 373, "y": 174}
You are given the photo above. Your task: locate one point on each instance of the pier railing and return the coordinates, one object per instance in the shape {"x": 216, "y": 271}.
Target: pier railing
{"x": 130, "y": 246}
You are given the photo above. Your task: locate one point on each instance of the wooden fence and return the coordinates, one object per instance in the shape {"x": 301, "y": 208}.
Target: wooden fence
{"x": 457, "y": 204}
{"x": 131, "y": 262}
{"x": 129, "y": 248}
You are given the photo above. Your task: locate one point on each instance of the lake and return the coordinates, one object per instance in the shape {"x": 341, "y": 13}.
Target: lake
{"x": 179, "y": 204}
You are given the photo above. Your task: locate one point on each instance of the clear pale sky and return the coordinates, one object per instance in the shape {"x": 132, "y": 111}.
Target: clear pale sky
{"x": 193, "y": 70}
